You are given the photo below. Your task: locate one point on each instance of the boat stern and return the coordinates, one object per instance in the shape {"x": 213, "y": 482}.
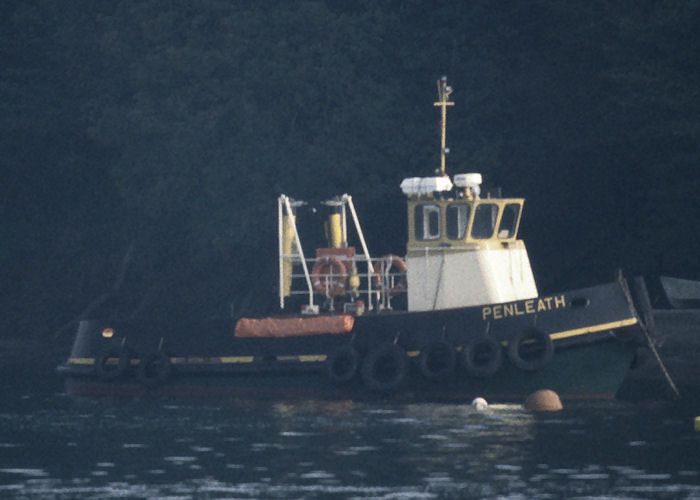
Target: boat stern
{"x": 94, "y": 338}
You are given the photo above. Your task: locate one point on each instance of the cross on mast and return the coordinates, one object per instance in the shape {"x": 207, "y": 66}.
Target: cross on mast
{"x": 444, "y": 92}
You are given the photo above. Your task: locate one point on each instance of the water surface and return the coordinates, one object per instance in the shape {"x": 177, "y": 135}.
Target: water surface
{"x": 53, "y": 446}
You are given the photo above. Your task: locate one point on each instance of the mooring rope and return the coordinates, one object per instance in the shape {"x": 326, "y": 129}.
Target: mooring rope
{"x": 645, "y": 329}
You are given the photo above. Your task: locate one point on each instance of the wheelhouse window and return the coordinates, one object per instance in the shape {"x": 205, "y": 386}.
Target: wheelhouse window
{"x": 427, "y": 222}
{"x": 457, "y": 217}
{"x": 484, "y": 221}
{"x": 509, "y": 221}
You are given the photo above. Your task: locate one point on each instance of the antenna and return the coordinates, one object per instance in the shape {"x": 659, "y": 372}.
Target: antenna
{"x": 444, "y": 92}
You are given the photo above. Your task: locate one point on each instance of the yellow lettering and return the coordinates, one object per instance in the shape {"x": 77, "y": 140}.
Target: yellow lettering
{"x": 497, "y": 312}
{"x": 530, "y": 306}
{"x": 518, "y": 312}
{"x": 508, "y": 310}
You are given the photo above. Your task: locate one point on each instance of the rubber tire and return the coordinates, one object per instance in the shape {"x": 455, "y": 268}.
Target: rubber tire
{"x": 535, "y": 363}
{"x": 437, "y": 360}
{"x": 473, "y": 351}
{"x": 124, "y": 360}
{"x": 385, "y": 368}
{"x": 342, "y": 364}
{"x": 154, "y": 369}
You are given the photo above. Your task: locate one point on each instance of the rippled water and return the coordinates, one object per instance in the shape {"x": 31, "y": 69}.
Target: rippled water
{"x": 52, "y": 446}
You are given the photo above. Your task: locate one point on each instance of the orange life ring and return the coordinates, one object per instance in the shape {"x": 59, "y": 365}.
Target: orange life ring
{"x": 382, "y": 270}
{"x": 328, "y": 276}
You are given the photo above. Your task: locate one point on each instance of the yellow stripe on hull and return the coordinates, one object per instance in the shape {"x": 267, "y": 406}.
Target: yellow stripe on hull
{"x": 312, "y": 358}
{"x": 236, "y": 359}
{"x": 595, "y": 328}
{"x": 81, "y": 361}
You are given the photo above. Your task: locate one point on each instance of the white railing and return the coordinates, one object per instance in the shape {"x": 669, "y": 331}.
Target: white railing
{"x": 367, "y": 279}
{"x": 374, "y": 288}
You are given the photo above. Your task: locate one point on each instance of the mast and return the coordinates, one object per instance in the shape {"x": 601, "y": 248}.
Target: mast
{"x": 444, "y": 92}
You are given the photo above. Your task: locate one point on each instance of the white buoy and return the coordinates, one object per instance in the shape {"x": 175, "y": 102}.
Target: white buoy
{"x": 697, "y": 424}
{"x": 479, "y": 404}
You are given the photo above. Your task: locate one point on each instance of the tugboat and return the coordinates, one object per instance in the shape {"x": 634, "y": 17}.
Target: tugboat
{"x": 457, "y": 316}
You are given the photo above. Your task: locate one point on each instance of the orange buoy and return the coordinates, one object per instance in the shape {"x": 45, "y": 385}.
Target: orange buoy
{"x": 381, "y": 274}
{"x": 329, "y": 276}
{"x": 543, "y": 400}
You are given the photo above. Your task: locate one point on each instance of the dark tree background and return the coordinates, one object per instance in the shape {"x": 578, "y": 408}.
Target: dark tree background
{"x": 143, "y": 143}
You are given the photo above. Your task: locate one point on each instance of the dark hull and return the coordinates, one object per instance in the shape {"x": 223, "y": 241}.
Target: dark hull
{"x": 584, "y": 372}
{"x": 681, "y": 293}
{"x": 590, "y": 330}
{"x": 677, "y": 337}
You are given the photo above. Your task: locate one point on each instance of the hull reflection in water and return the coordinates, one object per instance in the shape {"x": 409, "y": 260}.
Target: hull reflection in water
{"x": 53, "y": 447}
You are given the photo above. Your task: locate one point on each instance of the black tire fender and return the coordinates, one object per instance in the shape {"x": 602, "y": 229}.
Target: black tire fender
{"x": 154, "y": 369}
{"x": 342, "y": 364}
{"x": 531, "y": 349}
{"x": 482, "y": 357}
{"x": 437, "y": 360}
{"x": 385, "y": 368}
{"x": 109, "y": 371}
